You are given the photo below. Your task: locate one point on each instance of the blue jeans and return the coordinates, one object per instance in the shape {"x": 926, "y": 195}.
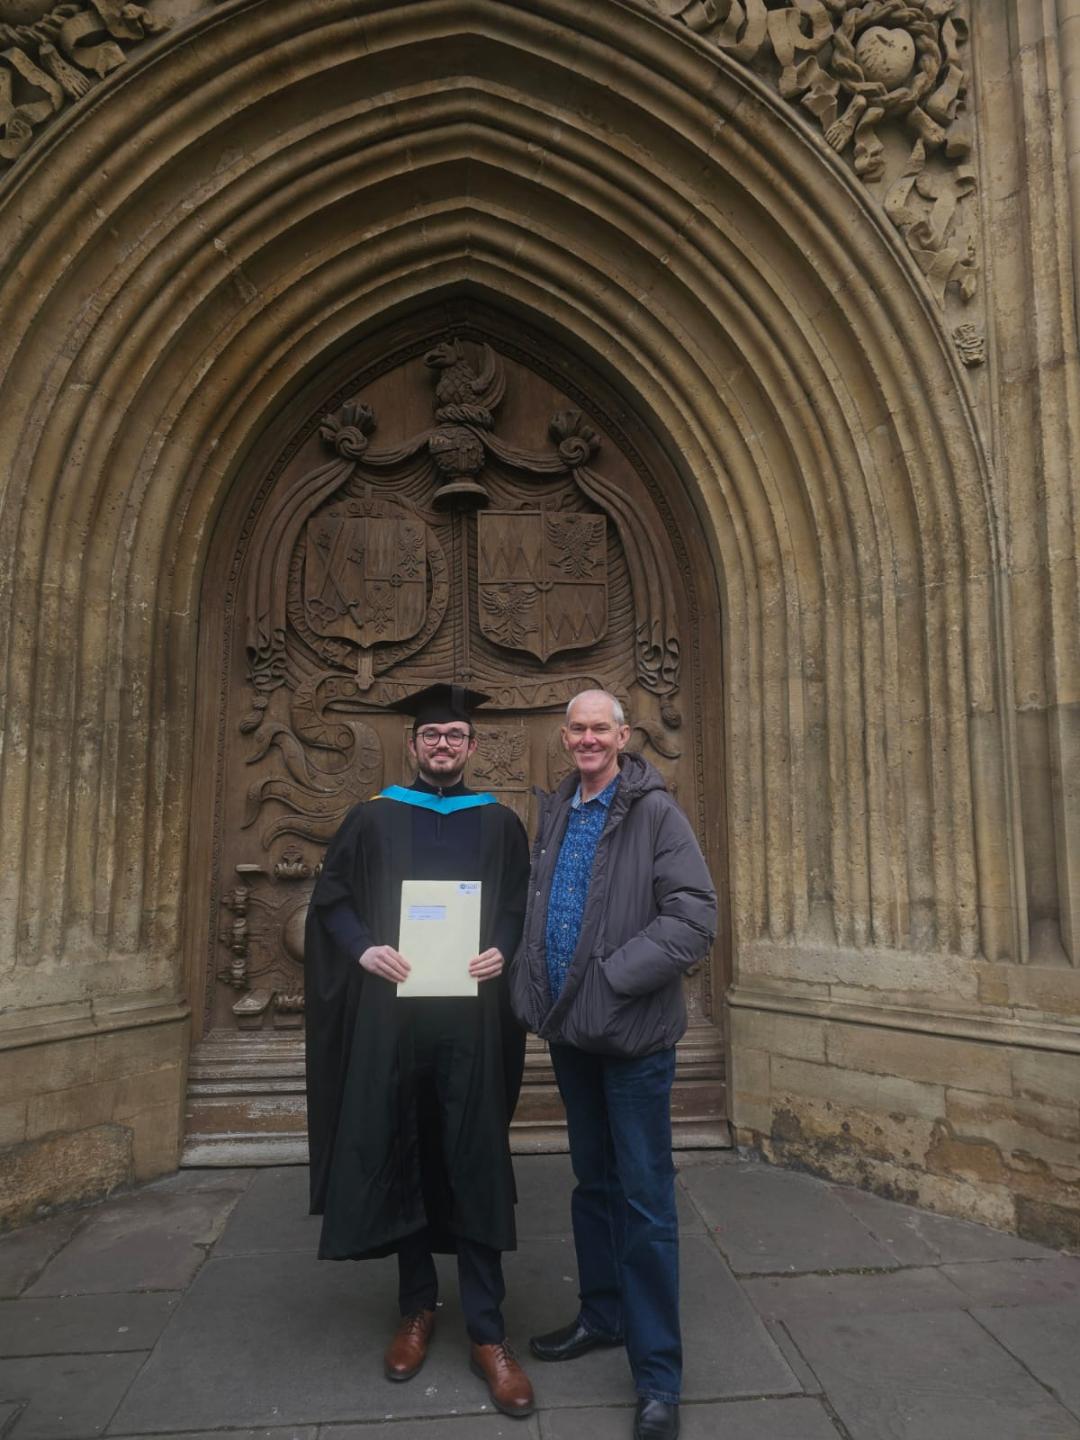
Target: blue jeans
{"x": 618, "y": 1116}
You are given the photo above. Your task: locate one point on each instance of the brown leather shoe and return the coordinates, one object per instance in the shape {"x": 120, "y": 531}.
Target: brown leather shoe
{"x": 509, "y": 1385}
{"x": 408, "y": 1349}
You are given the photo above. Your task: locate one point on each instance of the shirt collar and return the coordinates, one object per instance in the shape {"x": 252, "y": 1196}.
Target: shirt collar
{"x": 604, "y": 798}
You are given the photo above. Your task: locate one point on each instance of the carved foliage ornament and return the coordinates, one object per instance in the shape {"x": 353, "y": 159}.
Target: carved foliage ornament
{"x": 867, "y": 70}
{"x": 56, "y": 57}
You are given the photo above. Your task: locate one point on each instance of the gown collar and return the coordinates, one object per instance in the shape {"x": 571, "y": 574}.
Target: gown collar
{"x": 426, "y": 797}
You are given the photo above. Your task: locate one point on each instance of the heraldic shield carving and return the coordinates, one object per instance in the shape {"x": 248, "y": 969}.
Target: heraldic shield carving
{"x": 542, "y": 580}
{"x": 365, "y": 574}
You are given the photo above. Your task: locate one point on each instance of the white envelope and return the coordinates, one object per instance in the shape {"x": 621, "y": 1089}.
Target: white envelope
{"x": 439, "y": 935}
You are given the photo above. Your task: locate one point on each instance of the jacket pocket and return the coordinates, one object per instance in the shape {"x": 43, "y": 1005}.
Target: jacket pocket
{"x": 604, "y": 1022}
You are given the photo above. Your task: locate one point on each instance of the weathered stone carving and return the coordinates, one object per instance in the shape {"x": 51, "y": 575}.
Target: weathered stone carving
{"x": 970, "y": 344}
{"x": 866, "y": 69}
{"x": 56, "y": 57}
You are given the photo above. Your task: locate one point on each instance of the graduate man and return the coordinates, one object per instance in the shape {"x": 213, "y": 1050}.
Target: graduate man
{"x": 410, "y": 1099}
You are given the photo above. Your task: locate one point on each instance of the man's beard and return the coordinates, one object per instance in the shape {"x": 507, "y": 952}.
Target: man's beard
{"x": 441, "y": 779}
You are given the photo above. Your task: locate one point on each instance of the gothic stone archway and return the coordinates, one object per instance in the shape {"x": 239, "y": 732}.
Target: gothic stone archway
{"x": 215, "y": 224}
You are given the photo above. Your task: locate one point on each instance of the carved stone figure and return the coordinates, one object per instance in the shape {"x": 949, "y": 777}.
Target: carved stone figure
{"x": 861, "y": 68}
{"x": 53, "y": 54}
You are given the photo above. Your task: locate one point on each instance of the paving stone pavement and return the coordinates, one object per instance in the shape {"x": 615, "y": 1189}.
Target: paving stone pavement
{"x": 194, "y": 1308}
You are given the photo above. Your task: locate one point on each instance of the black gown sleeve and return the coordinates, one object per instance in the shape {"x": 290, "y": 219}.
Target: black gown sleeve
{"x": 506, "y": 928}
{"x": 333, "y": 982}
{"x": 347, "y": 928}
{"x": 510, "y": 921}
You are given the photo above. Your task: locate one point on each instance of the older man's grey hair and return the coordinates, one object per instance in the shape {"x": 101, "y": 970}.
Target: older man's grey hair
{"x": 618, "y": 714}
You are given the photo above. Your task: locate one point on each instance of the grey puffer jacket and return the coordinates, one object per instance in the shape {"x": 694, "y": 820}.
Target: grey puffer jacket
{"x": 650, "y": 915}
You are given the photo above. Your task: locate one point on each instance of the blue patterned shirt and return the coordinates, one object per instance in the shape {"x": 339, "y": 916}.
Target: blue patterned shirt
{"x": 570, "y": 883}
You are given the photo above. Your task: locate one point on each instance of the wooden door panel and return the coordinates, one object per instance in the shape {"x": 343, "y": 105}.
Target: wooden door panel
{"x": 458, "y": 509}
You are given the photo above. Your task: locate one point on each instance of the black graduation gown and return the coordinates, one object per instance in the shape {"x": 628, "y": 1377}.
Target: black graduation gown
{"x": 384, "y": 1163}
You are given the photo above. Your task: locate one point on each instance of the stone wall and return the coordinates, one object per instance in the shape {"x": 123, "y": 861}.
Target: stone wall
{"x": 957, "y": 1087}
{"x": 952, "y": 1122}
{"x": 89, "y": 1111}
{"x": 853, "y": 327}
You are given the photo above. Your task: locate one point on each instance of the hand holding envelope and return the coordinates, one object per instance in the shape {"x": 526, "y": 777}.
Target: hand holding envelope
{"x": 487, "y": 965}
{"x": 440, "y": 935}
{"x": 384, "y": 960}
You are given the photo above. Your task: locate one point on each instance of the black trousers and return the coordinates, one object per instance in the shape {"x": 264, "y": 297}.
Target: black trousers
{"x": 442, "y": 1032}
{"x": 480, "y": 1280}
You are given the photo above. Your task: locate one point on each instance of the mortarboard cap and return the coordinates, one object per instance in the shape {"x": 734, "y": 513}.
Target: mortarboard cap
{"x": 440, "y": 704}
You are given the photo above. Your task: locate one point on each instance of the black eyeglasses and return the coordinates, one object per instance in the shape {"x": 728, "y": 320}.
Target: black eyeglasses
{"x": 431, "y": 737}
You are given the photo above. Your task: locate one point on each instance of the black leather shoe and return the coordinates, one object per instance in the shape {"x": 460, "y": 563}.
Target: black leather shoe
{"x": 655, "y": 1420}
{"x": 569, "y": 1342}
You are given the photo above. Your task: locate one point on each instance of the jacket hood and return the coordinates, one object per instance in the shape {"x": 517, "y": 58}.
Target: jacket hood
{"x": 637, "y": 778}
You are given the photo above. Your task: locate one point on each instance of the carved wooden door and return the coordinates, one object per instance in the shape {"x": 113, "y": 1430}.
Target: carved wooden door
{"x": 467, "y": 503}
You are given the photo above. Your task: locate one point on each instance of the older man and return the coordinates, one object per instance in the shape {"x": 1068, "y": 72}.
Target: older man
{"x": 621, "y": 906}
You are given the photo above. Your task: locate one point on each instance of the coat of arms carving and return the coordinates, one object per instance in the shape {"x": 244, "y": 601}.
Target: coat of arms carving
{"x": 542, "y": 579}
{"x": 365, "y": 575}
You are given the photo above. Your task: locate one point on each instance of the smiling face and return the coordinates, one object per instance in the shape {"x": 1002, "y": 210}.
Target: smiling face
{"x": 441, "y": 752}
{"x": 593, "y": 739}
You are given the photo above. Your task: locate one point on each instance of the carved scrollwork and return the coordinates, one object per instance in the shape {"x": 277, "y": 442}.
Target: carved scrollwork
{"x": 359, "y": 575}
{"x": 332, "y": 763}
{"x": 576, "y": 441}
{"x": 56, "y": 57}
{"x": 862, "y": 67}
{"x": 343, "y": 566}
{"x": 347, "y": 433}
{"x": 353, "y": 576}
{"x": 293, "y": 866}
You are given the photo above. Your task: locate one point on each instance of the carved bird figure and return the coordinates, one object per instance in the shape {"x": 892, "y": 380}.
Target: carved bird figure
{"x": 575, "y": 541}
{"x": 461, "y": 392}
{"x": 511, "y": 612}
